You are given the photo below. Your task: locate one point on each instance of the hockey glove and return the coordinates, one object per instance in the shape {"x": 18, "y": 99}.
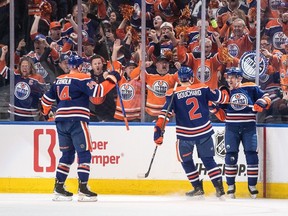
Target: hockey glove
{"x": 113, "y": 76}
{"x": 158, "y": 135}
{"x": 218, "y": 112}
{"x": 225, "y": 92}
{"x": 260, "y": 105}
{"x": 213, "y": 108}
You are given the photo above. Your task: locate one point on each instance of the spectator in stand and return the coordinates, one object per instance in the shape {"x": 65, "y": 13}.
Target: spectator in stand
{"x": 226, "y": 11}
{"x": 159, "y": 78}
{"x": 272, "y": 77}
{"x": 88, "y": 53}
{"x": 101, "y": 45}
{"x": 212, "y": 62}
{"x": 114, "y": 20}
{"x": 157, "y": 22}
{"x": 167, "y": 9}
{"x": 102, "y": 109}
{"x": 166, "y": 42}
{"x": 40, "y": 44}
{"x": 54, "y": 35}
{"x": 241, "y": 41}
{"x": 277, "y": 29}
{"x": 89, "y": 25}
{"x": 29, "y": 88}
{"x": 136, "y": 18}
{"x": 194, "y": 35}
{"x": 130, "y": 89}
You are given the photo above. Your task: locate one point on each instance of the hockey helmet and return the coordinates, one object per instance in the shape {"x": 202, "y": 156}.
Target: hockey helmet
{"x": 234, "y": 71}
{"x": 74, "y": 61}
{"x": 185, "y": 73}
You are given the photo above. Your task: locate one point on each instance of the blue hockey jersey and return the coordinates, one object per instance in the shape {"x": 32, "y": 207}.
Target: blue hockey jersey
{"x": 72, "y": 92}
{"x": 190, "y": 104}
{"x": 248, "y": 93}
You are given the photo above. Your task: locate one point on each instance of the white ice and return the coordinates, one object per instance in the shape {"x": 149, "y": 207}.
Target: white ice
{"x": 134, "y": 205}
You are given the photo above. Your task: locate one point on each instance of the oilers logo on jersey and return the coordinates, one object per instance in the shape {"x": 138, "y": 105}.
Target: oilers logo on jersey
{"x": 127, "y": 91}
{"x": 22, "y": 90}
{"x": 233, "y": 49}
{"x": 207, "y": 74}
{"x": 279, "y": 39}
{"x": 160, "y": 87}
{"x": 238, "y": 98}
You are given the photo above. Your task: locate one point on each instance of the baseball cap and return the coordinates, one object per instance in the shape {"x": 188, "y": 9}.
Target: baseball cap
{"x": 162, "y": 58}
{"x": 55, "y": 25}
{"x": 106, "y": 22}
{"x": 131, "y": 63}
{"x": 167, "y": 25}
{"x": 39, "y": 37}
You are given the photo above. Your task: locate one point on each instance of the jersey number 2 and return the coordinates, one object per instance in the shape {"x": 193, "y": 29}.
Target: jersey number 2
{"x": 195, "y": 106}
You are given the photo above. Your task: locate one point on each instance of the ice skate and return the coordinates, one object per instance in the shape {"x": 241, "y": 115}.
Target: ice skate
{"x": 85, "y": 195}
{"x": 253, "y": 191}
{"x": 197, "y": 192}
{"x": 231, "y": 191}
{"x": 220, "y": 190}
{"x": 60, "y": 194}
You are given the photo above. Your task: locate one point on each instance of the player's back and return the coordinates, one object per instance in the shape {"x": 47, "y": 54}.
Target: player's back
{"x": 192, "y": 112}
{"x": 72, "y": 92}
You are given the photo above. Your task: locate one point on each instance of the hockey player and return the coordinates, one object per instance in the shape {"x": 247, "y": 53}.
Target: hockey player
{"x": 71, "y": 92}
{"x": 193, "y": 128}
{"x": 241, "y": 126}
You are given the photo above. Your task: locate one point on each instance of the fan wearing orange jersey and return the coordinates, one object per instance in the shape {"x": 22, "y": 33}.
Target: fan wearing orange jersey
{"x": 159, "y": 78}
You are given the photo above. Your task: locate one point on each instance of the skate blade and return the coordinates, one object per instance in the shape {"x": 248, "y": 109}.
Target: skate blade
{"x": 59, "y": 197}
{"x": 83, "y": 198}
{"x": 232, "y": 196}
{"x": 222, "y": 198}
{"x": 253, "y": 196}
{"x": 199, "y": 197}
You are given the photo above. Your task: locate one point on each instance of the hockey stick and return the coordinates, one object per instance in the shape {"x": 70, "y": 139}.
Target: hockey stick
{"x": 116, "y": 84}
{"x": 145, "y": 175}
{"x": 154, "y": 91}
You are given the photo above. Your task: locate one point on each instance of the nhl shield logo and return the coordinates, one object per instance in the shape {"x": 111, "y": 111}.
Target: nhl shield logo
{"x": 219, "y": 144}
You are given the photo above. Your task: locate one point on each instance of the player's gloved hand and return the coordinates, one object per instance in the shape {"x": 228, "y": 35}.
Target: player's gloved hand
{"x": 158, "y": 135}
{"x": 260, "y": 105}
{"x": 213, "y": 108}
{"x": 113, "y": 76}
{"x": 225, "y": 94}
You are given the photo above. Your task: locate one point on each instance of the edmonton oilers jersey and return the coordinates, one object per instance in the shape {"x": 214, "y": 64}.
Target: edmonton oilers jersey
{"x": 190, "y": 104}
{"x": 72, "y": 93}
{"x": 27, "y": 94}
{"x": 247, "y": 94}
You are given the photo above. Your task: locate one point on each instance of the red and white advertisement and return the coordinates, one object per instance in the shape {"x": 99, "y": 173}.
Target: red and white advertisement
{"x": 32, "y": 151}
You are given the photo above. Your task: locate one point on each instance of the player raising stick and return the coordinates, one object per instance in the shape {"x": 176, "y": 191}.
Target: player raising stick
{"x": 193, "y": 128}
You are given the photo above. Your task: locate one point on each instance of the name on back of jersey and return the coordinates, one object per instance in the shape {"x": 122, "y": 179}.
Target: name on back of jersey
{"x": 63, "y": 81}
{"x": 188, "y": 93}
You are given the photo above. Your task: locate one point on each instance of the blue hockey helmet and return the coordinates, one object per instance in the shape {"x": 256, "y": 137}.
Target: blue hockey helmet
{"x": 185, "y": 73}
{"x": 234, "y": 71}
{"x": 74, "y": 61}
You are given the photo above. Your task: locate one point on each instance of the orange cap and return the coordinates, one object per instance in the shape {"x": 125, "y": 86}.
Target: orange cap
{"x": 55, "y": 25}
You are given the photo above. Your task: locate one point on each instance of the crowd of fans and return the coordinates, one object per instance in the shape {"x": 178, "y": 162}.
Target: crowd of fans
{"x": 47, "y": 32}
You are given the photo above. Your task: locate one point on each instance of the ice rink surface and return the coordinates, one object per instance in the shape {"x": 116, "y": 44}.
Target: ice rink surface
{"x": 133, "y": 205}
